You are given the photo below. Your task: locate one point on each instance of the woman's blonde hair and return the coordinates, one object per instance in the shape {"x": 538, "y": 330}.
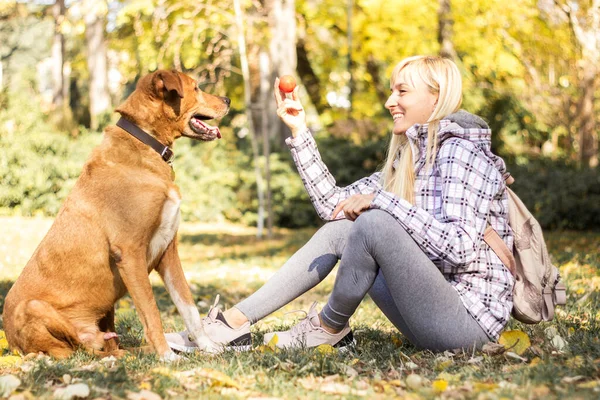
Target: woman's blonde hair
{"x": 442, "y": 77}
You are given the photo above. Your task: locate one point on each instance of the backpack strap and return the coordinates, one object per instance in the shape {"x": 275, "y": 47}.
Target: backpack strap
{"x": 491, "y": 237}
{"x": 553, "y": 297}
{"x": 496, "y": 243}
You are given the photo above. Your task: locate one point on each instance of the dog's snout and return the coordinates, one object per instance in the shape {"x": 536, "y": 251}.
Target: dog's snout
{"x": 226, "y": 100}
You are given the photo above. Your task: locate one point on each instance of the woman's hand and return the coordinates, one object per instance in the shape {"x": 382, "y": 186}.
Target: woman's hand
{"x": 290, "y": 111}
{"x": 353, "y": 206}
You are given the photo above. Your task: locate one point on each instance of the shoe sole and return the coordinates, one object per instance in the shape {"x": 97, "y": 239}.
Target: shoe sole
{"x": 344, "y": 345}
{"x": 193, "y": 349}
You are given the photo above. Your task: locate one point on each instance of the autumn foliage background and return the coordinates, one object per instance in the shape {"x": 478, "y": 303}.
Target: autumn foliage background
{"x": 529, "y": 69}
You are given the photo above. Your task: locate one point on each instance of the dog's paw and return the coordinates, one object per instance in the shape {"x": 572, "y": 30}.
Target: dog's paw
{"x": 206, "y": 345}
{"x": 170, "y": 357}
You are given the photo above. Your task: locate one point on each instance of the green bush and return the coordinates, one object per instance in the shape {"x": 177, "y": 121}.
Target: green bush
{"x": 560, "y": 196}
{"x": 39, "y": 166}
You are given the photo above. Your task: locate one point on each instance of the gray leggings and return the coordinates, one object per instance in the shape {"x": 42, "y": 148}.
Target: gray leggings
{"x": 377, "y": 257}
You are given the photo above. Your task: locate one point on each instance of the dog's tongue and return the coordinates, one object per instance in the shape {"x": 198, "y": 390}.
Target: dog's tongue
{"x": 213, "y": 130}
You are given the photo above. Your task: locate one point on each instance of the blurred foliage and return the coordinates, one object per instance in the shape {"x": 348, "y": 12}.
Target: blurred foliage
{"x": 518, "y": 61}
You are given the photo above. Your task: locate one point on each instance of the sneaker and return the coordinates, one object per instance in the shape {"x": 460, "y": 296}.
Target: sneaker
{"x": 309, "y": 333}
{"x": 218, "y": 330}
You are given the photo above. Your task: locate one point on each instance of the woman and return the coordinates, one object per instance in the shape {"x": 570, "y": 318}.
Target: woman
{"x": 411, "y": 235}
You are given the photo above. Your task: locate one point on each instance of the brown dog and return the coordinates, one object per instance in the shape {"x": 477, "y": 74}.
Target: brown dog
{"x": 118, "y": 224}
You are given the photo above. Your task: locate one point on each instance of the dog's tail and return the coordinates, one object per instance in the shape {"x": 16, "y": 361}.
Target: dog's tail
{"x": 42, "y": 328}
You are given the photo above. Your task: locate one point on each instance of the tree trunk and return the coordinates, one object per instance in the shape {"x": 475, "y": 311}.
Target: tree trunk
{"x": 309, "y": 79}
{"x": 588, "y": 137}
{"x": 282, "y": 51}
{"x": 97, "y": 65}
{"x": 58, "y": 56}
{"x": 445, "y": 23}
{"x": 350, "y": 62}
{"x": 265, "y": 98}
{"x": 239, "y": 20}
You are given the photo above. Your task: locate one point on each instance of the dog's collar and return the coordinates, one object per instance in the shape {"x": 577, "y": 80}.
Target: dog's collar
{"x": 165, "y": 151}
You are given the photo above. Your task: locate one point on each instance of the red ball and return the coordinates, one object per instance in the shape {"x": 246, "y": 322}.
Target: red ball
{"x": 287, "y": 83}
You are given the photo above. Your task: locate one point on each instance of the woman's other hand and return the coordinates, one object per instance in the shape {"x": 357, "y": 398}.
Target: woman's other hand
{"x": 290, "y": 110}
{"x": 353, "y": 206}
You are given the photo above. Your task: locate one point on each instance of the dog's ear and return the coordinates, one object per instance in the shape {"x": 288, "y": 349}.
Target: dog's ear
{"x": 168, "y": 81}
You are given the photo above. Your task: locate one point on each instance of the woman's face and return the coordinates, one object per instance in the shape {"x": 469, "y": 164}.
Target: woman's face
{"x": 408, "y": 104}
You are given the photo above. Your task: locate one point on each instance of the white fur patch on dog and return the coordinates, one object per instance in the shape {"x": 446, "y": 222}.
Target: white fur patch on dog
{"x": 169, "y": 223}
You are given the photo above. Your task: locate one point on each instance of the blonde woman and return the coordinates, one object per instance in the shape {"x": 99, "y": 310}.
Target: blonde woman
{"x": 411, "y": 236}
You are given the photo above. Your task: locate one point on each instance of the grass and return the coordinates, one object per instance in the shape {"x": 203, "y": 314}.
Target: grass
{"x": 230, "y": 261}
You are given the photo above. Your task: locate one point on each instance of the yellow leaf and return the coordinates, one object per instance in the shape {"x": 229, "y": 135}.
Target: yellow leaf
{"x": 273, "y": 342}
{"x": 3, "y": 341}
{"x": 442, "y": 364}
{"x": 9, "y": 361}
{"x": 397, "y": 341}
{"x": 450, "y": 378}
{"x": 535, "y": 362}
{"x": 515, "y": 341}
{"x": 484, "y": 387}
{"x": 217, "y": 378}
{"x": 162, "y": 371}
{"x": 440, "y": 385}
{"x": 326, "y": 349}
{"x": 264, "y": 349}
{"x": 145, "y": 386}
{"x": 589, "y": 385}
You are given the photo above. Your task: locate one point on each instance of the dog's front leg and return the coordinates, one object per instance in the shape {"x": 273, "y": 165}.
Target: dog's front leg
{"x": 172, "y": 275}
{"x": 134, "y": 273}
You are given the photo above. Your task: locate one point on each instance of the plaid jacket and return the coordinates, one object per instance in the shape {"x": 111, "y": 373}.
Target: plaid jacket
{"x": 455, "y": 198}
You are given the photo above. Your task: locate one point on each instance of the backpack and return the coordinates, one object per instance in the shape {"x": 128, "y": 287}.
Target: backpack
{"x": 538, "y": 288}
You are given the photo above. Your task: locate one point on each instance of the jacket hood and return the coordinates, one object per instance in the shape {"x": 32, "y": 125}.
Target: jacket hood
{"x": 460, "y": 124}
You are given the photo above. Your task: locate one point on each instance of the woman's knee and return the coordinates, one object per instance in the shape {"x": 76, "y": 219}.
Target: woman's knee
{"x": 335, "y": 234}
{"x": 374, "y": 222}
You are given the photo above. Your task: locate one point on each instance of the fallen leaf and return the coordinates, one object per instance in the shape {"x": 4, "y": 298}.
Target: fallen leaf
{"x": 8, "y": 384}
{"x": 440, "y": 385}
{"x": 589, "y": 385}
{"x": 515, "y": 341}
{"x": 414, "y": 381}
{"x": 493, "y": 349}
{"x": 558, "y": 343}
{"x": 217, "y": 378}
{"x": 397, "y": 341}
{"x": 326, "y": 349}
{"x": 350, "y": 372}
{"x": 335, "y": 388}
{"x": 411, "y": 365}
{"x": 143, "y": 395}
{"x": 515, "y": 356}
{"x": 9, "y": 361}
{"x": 484, "y": 386}
{"x": 441, "y": 363}
{"x": 3, "y": 341}
{"x": 71, "y": 391}
{"x": 540, "y": 392}
{"x": 535, "y": 362}
{"x": 273, "y": 342}
{"x": 475, "y": 360}
{"x": 572, "y": 379}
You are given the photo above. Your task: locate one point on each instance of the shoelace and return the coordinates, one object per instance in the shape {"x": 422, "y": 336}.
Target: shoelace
{"x": 210, "y": 319}
{"x": 305, "y": 325}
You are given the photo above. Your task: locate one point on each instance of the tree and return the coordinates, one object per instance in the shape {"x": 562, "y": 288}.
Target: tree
{"x": 445, "y": 23}
{"x": 58, "y": 56}
{"x": 97, "y": 47}
{"x": 585, "y": 26}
